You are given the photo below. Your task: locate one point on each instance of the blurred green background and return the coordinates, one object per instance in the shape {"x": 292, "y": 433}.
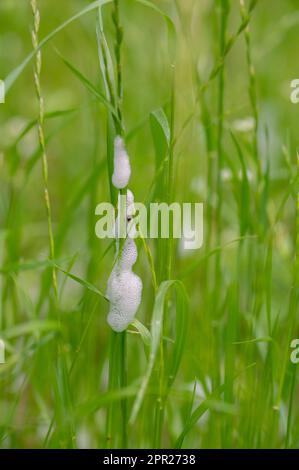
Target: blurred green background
{"x": 241, "y": 321}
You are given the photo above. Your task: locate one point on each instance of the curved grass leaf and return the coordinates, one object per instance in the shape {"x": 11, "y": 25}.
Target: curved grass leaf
{"x": 244, "y": 202}
{"x": 79, "y": 280}
{"x": 143, "y": 331}
{"x": 33, "y": 122}
{"x": 32, "y": 327}
{"x": 160, "y": 129}
{"x": 161, "y": 137}
{"x": 156, "y": 333}
{"x": 94, "y": 404}
{"x": 14, "y": 75}
{"x": 202, "y": 408}
{"x": 169, "y": 23}
{"x": 263, "y": 339}
{"x": 89, "y": 86}
{"x": 194, "y": 265}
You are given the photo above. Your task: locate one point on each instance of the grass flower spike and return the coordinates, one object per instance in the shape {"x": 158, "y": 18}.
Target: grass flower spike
{"x": 122, "y": 168}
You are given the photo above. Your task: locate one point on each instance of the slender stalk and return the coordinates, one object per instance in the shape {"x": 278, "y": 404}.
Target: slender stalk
{"x": 108, "y": 74}
{"x": 252, "y": 88}
{"x": 123, "y": 384}
{"x": 222, "y": 45}
{"x": 170, "y": 182}
{"x": 111, "y": 385}
{"x": 296, "y": 274}
{"x": 122, "y": 351}
{"x": 161, "y": 401}
{"x": 119, "y": 95}
{"x": 295, "y": 298}
{"x": 165, "y": 270}
{"x": 224, "y": 11}
{"x": 37, "y": 74}
{"x": 110, "y": 93}
{"x": 118, "y": 353}
{"x": 290, "y": 408}
{"x": 62, "y": 389}
{"x": 117, "y": 51}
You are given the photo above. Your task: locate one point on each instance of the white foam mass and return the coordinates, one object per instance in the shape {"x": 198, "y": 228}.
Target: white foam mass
{"x": 122, "y": 167}
{"x": 124, "y": 288}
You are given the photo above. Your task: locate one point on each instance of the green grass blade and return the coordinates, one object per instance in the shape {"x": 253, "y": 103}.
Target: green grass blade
{"x": 143, "y": 331}
{"x": 80, "y": 281}
{"x": 31, "y": 328}
{"x": 169, "y": 23}
{"x": 13, "y": 76}
{"x": 156, "y": 333}
{"x": 89, "y": 86}
{"x": 201, "y": 410}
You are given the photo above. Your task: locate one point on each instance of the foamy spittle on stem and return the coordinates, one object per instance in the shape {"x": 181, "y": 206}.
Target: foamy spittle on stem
{"x": 124, "y": 287}
{"x": 122, "y": 168}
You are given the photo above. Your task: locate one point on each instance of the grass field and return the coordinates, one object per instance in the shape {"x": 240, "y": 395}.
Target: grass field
{"x": 200, "y": 91}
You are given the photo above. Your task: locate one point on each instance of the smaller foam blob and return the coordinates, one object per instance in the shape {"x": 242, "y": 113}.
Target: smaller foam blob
{"x": 129, "y": 255}
{"x": 129, "y": 214}
{"x": 122, "y": 168}
{"x": 130, "y": 200}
